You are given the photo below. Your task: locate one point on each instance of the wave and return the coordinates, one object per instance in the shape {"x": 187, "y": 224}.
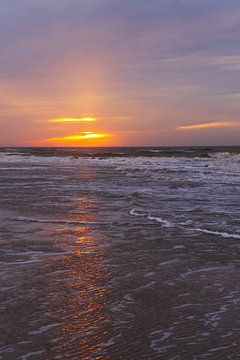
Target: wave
{"x": 137, "y": 213}
{"x": 219, "y": 233}
{"x": 167, "y": 224}
{"x": 225, "y": 155}
{"x": 45, "y": 328}
{"x": 75, "y": 153}
{"x": 60, "y": 222}
{"x": 164, "y": 223}
{"x": 158, "y": 219}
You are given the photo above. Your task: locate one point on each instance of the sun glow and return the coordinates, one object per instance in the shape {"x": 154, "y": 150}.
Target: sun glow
{"x": 72, "y": 120}
{"x": 87, "y": 135}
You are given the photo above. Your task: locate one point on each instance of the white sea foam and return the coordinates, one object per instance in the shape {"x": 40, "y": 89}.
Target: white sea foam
{"x": 148, "y": 274}
{"x": 111, "y": 341}
{"x": 224, "y": 155}
{"x": 218, "y": 233}
{"x": 43, "y": 329}
{"x": 206, "y": 269}
{"x": 178, "y": 247}
{"x": 6, "y": 349}
{"x": 20, "y": 262}
{"x": 165, "y": 335}
{"x": 159, "y": 348}
{"x": 183, "y": 306}
{"x": 164, "y": 223}
{"x": 187, "y": 222}
{"x": 135, "y": 213}
{"x": 30, "y": 355}
{"x": 219, "y": 348}
{"x": 169, "y": 262}
{"x": 213, "y": 319}
{"x": 158, "y": 338}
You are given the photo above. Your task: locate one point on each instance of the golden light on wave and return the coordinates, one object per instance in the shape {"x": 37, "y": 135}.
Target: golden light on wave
{"x": 73, "y": 120}
{"x": 83, "y": 306}
{"x": 87, "y": 135}
{"x": 209, "y": 125}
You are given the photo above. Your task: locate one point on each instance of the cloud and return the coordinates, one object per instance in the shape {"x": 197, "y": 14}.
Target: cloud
{"x": 209, "y": 125}
{"x": 72, "y": 120}
{"x": 153, "y": 61}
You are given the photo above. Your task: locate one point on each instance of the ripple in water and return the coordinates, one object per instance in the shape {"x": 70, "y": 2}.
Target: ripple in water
{"x": 119, "y": 258}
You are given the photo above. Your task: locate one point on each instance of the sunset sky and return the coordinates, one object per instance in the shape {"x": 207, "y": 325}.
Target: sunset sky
{"x": 119, "y": 72}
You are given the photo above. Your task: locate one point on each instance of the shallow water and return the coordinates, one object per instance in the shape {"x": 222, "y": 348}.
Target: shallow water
{"x": 119, "y": 257}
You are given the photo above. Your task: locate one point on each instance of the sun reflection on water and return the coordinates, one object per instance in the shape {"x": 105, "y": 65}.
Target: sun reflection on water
{"x": 83, "y": 311}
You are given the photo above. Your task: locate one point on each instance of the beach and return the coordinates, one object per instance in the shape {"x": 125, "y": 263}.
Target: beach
{"x": 120, "y": 253}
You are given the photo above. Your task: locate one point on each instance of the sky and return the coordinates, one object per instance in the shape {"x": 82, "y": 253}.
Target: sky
{"x": 119, "y": 72}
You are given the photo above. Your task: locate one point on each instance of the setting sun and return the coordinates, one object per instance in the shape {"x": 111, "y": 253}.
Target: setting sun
{"x": 120, "y": 179}
{"x": 87, "y": 135}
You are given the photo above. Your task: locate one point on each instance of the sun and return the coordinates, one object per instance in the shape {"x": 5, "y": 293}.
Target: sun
{"x": 86, "y": 135}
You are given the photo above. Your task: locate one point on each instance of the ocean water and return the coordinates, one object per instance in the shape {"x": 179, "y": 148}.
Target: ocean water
{"x": 124, "y": 253}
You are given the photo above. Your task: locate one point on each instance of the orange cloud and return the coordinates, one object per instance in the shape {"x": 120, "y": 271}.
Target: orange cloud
{"x": 87, "y": 135}
{"x": 209, "y": 125}
{"x": 69, "y": 120}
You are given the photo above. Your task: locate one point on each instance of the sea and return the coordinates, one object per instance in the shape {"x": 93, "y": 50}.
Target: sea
{"x": 120, "y": 253}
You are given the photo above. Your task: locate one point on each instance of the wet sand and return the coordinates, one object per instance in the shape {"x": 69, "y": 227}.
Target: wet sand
{"x": 119, "y": 258}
